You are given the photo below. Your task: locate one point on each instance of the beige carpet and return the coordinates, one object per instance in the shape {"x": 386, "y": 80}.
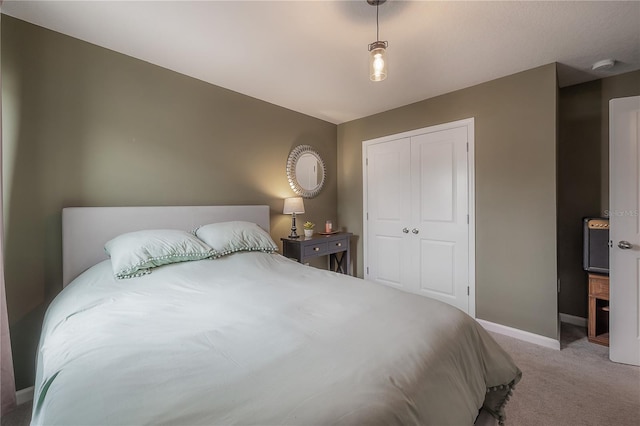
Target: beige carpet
{"x": 577, "y": 386}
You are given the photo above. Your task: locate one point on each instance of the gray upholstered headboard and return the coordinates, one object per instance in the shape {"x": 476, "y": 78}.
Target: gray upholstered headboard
{"x": 85, "y": 230}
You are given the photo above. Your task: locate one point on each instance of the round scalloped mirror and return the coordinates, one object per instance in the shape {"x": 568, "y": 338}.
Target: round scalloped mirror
{"x": 305, "y": 171}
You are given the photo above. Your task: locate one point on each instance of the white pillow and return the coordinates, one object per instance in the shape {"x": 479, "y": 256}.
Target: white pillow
{"x": 135, "y": 253}
{"x": 230, "y": 237}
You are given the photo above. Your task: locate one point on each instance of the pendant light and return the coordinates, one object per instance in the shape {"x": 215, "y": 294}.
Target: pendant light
{"x": 377, "y": 50}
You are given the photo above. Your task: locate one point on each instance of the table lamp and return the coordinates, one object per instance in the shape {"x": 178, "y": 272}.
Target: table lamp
{"x": 293, "y": 206}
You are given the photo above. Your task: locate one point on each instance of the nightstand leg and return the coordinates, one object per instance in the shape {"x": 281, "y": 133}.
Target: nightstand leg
{"x": 339, "y": 264}
{"x": 591, "y": 326}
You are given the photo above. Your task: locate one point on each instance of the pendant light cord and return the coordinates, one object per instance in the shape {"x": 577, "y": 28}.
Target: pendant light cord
{"x": 377, "y": 24}
{"x": 377, "y": 43}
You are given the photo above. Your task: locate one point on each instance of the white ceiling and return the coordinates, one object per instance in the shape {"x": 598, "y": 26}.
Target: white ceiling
{"x": 311, "y": 56}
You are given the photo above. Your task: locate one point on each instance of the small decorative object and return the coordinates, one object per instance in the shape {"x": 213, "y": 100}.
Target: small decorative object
{"x": 328, "y": 227}
{"x": 308, "y": 228}
{"x": 292, "y": 206}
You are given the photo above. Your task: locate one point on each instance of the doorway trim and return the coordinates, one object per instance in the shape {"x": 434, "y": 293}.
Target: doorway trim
{"x": 469, "y": 123}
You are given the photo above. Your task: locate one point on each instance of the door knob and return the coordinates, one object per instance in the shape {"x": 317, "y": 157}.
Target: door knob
{"x": 625, "y": 245}
{"x": 415, "y": 231}
{"x": 405, "y": 230}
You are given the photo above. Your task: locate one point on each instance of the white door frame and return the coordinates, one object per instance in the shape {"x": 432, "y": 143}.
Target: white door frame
{"x": 469, "y": 123}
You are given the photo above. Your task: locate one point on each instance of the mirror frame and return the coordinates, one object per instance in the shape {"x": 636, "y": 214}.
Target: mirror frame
{"x": 292, "y": 161}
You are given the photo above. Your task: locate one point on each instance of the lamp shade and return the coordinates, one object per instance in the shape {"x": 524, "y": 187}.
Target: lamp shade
{"x": 293, "y": 205}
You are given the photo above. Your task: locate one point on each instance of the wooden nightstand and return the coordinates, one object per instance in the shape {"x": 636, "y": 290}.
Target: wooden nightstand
{"x": 337, "y": 246}
{"x": 598, "y": 325}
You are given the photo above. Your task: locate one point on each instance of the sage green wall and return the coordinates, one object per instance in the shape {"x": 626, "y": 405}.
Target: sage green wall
{"x": 583, "y": 175}
{"x": 579, "y": 178}
{"x": 515, "y": 167}
{"x": 620, "y": 86}
{"x": 85, "y": 126}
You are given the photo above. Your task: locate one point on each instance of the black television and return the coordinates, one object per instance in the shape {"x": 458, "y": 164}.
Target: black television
{"x": 596, "y": 245}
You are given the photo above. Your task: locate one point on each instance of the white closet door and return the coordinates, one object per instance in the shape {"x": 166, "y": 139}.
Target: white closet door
{"x": 389, "y": 183}
{"x": 418, "y": 192}
{"x": 439, "y": 236}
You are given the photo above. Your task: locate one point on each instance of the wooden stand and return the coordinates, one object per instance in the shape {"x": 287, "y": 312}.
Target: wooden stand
{"x": 598, "y": 327}
{"x": 304, "y": 249}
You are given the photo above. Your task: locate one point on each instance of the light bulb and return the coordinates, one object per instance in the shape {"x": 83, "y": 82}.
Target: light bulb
{"x": 377, "y": 64}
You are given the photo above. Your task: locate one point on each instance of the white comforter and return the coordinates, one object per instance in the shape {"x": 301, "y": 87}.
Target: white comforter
{"x": 255, "y": 338}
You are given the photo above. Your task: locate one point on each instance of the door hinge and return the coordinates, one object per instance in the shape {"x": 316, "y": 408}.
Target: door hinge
{"x": 558, "y": 285}
{"x": 367, "y": 215}
{"x": 467, "y": 290}
{"x": 467, "y": 146}
{"x": 467, "y": 219}
{"x": 367, "y": 270}
{"x": 366, "y": 161}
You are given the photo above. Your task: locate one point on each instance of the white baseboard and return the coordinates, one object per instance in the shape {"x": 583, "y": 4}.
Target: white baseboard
{"x": 526, "y": 336}
{"x": 24, "y": 395}
{"x": 571, "y": 319}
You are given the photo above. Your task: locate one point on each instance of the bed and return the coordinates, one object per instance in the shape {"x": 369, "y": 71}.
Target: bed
{"x": 250, "y": 337}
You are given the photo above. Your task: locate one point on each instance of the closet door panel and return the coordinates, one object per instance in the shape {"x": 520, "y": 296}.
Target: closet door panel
{"x": 388, "y": 198}
{"x": 435, "y": 192}
{"x": 388, "y": 264}
{"x": 439, "y": 194}
{"x": 437, "y": 265}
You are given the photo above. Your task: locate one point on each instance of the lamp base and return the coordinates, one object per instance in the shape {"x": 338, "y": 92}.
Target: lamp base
{"x": 293, "y": 234}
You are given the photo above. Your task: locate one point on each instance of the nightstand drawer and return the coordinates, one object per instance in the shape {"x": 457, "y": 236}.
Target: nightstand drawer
{"x": 316, "y": 249}
{"x": 336, "y": 246}
{"x": 599, "y": 288}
